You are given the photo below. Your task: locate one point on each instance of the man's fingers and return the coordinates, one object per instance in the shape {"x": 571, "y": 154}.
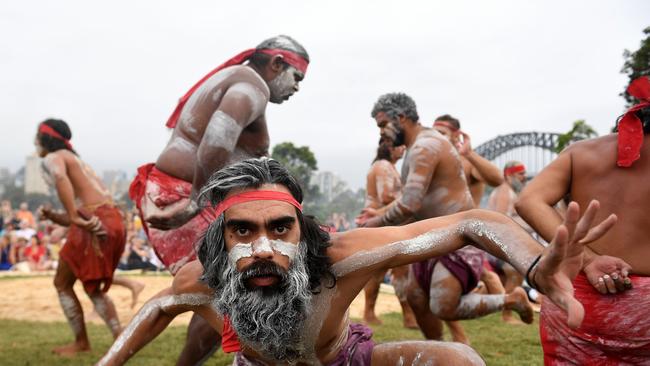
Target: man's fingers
{"x": 558, "y": 248}
{"x": 600, "y": 286}
{"x": 571, "y": 218}
{"x": 587, "y": 219}
{"x": 618, "y": 281}
{"x": 609, "y": 283}
{"x": 575, "y": 312}
{"x": 599, "y": 230}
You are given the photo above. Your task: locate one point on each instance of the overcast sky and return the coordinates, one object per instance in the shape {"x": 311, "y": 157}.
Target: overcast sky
{"x": 115, "y": 69}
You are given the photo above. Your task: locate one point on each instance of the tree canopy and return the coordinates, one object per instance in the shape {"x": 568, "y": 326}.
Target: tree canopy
{"x": 637, "y": 64}
{"x": 580, "y": 131}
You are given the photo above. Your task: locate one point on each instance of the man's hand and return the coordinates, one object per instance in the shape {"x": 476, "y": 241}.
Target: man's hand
{"x": 92, "y": 224}
{"x": 608, "y": 274}
{"x": 563, "y": 259}
{"x": 369, "y": 217}
{"x": 173, "y": 216}
{"x": 464, "y": 148}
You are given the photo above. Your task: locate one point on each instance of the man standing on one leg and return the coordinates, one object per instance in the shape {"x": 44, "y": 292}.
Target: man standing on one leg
{"x": 435, "y": 186}
{"x": 220, "y": 120}
{"x": 614, "y": 169}
{"x": 96, "y": 236}
{"x": 278, "y": 288}
{"x": 383, "y": 186}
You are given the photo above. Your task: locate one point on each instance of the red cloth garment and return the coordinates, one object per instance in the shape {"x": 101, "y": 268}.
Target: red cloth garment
{"x": 229, "y": 339}
{"x": 630, "y": 127}
{"x": 91, "y": 259}
{"x": 615, "y": 330}
{"x": 291, "y": 58}
{"x": 445, "y": 124}
{"x": 514, "y": 170}
{"x": 34, "y": 253}
{"x": 258, "y": 195}
{"x": 153, "y": 190}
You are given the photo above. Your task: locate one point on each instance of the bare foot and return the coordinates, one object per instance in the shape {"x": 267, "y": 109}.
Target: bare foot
{"x": 138, "y": 287}
{"x": 371, "y": 318}
{"x": 517, "y": 300}
{"x": 71, "y": 349}
{"x": 509, "y": 319}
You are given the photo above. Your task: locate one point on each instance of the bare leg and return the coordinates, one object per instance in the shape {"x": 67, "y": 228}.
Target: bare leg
{"x": 429, "y": 324}
{"x": 201, "y": 342}
{"x": 448, "y": 303}
{"x": 512, "y": 280}
{"x": 416, "y": 353}
{"x": 64, "y": 279}
{"x": 371, "y": 291}
{"x": 457, "y": 332}
{"x": 106, "y": 310}
{"x": 136, "y": 287}
{"x": 399, "y": 279}
{"x": 492, "y": 282}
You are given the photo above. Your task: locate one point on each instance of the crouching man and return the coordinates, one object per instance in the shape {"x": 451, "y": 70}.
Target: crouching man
{"x": 278, "y": 288}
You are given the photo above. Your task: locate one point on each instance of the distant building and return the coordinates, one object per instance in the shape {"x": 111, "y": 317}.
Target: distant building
{"x": 328, "y": 183}
{"x": 34, "y": 182}
{"x": 117, "y": 182}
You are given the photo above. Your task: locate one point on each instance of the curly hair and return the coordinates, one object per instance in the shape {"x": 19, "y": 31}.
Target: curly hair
{"x": 394, "y": 105}
{"x": 280, "y": 42}
{"x": 253, "y": 173}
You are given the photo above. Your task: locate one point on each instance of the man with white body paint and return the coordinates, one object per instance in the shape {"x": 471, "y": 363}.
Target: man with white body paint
{"x": 278, "y": 288}
{"x": 614, "y": 282}
{"x": 435, "y": 185}
{"x": 220, "y": 120}
{"x": 383, "y": 186}
{"x": 96, "y": 236}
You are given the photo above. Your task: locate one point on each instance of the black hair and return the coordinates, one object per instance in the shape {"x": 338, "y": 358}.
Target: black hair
{"x": 253, "y": 173}
{"x": 383, "y": 150}
{"x": 394, "y": 105}
{"x": 282, "y": 42}
{"x": 52, "y": 144}
{"x": 448, "y": 118}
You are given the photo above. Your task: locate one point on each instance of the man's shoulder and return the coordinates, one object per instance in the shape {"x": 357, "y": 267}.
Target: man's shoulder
{"x": 243, "y": 75}
{"x": 602, "y": 142}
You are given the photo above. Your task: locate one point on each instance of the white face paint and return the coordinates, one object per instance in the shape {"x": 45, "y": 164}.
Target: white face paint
{"x": 283, "y": 86}
{"x": 223, "y": 131}
{"x": 262, "y": 245}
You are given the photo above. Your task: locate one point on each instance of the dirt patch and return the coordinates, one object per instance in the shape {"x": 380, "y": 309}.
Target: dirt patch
{"x": 35, "y": 299}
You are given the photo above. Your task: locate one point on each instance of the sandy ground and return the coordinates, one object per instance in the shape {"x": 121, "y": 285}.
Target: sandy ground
{"x": 35, "y": 299}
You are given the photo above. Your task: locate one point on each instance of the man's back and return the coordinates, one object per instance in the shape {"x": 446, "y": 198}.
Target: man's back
{"x": 622, "y": 191}
{"x": 194, "y": 122}
{"x": 447, "y": 191}
{"x": 87, "y": 186}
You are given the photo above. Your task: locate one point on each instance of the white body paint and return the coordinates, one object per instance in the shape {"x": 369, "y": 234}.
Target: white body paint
{"x": 72, "y": 312}
{"x": 223, "y": 131}
{"x": 101, "y": 306}
{"x": 262, "y": 245}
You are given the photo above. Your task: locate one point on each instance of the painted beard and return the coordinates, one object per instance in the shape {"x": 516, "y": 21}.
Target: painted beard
{"x": 517, "y": 185}
{"x": 394, "y": 134}
{"x": 270, "y": 319}
{"x": 281, "y": 87}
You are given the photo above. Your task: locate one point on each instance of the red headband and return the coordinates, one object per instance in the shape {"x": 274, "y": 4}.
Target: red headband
{"x": 47, "y": 130}
{"x": 630, "y": 127}
{"x": 445, "y": 124}
{"x": 290, "y": 57}
{"x": 256, "y": 196}
{"x": 514, "y": 169}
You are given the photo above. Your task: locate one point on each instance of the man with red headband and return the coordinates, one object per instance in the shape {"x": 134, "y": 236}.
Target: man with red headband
{"x": 96, "y": 236}
{"x": 220, "y": 120}
{"x": 278, "y": 288}
{"x": 503, "y": 199}
{"x": 434, "y": 185}
{"x": 613, "y": 169}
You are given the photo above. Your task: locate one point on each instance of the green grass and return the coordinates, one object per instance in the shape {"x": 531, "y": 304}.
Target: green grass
{"x": 29, "y": 343}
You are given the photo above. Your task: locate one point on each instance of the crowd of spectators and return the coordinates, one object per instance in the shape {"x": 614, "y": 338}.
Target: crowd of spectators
{"x": 31, "y": 244}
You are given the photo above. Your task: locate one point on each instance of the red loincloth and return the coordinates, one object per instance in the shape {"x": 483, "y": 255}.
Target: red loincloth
{"x": 615, "y": 330}
{"x": 174, "y": 247}
{"x": 94, "y": 265}
{"x": 466, "y": 264}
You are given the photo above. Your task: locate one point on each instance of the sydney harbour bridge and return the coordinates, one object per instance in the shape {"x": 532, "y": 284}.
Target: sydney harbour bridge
{"x": 534, "y": 149}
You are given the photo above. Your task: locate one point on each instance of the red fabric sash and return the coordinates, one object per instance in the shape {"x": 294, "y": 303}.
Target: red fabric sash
{"x": 630, "y": 127}
{"x": 256, "y": 196}
{"x": 291, "y": 58}
{"x": 514, "y": 170}
{"x": 229, "y": 339}
{"x": 47, "y": 130}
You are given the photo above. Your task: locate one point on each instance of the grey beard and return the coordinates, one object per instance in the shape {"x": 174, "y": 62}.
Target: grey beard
{"x": 270, "y": 323}
{"x": 516, "y": 185}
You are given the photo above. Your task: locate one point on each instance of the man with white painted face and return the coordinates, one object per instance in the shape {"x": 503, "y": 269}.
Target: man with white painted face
{"x": 220, "y": 120}
{"x": 434, "y": 185}
{"x": 277, "y": 287}
{"x": 96, "y": 237}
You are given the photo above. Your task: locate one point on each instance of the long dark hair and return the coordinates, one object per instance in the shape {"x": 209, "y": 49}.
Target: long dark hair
{"x": 253, "y": 173}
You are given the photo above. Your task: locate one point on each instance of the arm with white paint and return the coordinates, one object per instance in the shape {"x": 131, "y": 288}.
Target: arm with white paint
{"x": 422, "y": 162}
{"x": 242, "y": 104}
{"x": 156, "y": 315}
{"x": 482, "y": 169}
{"x": 385, "y": 183}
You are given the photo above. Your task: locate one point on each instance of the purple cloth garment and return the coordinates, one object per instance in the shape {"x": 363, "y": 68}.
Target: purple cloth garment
{"x": 466, "y": 264}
